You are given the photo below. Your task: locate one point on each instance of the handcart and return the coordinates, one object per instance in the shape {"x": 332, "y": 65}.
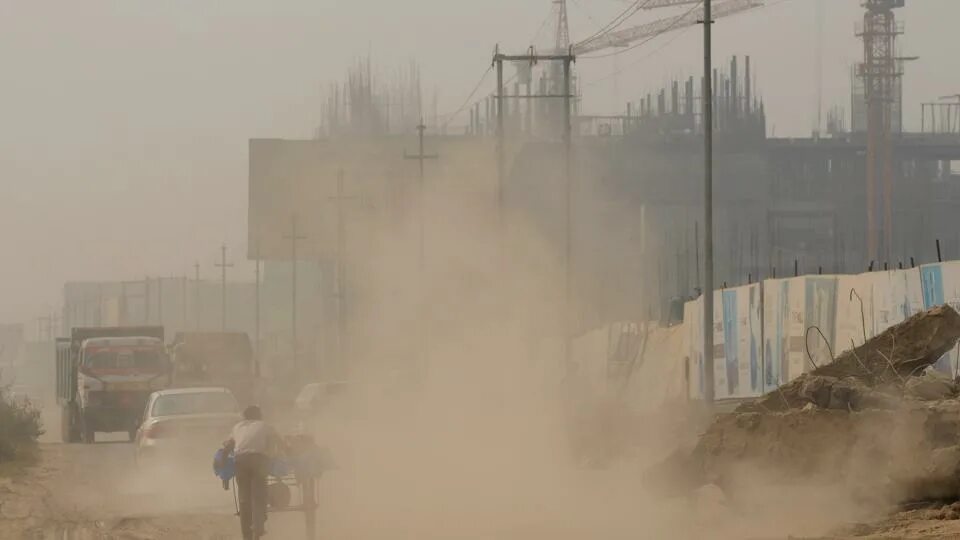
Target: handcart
{"x": 296, "y": 473}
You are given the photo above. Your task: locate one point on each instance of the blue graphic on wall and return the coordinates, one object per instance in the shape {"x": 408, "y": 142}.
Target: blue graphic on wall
{"x": 775, "y": 355}
{"x": 931, "y": 281}
{"x": 729, "y": 300}
{"x": 931, "y": 278}
{"x": 754, "y": 367}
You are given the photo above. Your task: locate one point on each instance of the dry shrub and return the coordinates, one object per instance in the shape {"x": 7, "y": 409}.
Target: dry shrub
{"x": 20, "y": 427}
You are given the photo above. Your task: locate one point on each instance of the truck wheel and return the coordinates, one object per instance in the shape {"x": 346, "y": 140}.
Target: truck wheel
{"x": 69, "y": 428}
{"x": 87, "y": 435}
{"x": 66, "y": 427}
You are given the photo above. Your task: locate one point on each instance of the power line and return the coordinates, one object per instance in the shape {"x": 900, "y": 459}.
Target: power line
{"x": 584, "y": 10}
{"x": 466, "y": 102}
{"x": 617, "y": 21}
{"x": 542, "y": 26}
{"x": 672, "y": 25}
{"x": 662, "y": 46}
{"x": 450, "y": 116}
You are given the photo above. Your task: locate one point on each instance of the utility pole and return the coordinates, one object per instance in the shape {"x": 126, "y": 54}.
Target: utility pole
{"x": 293, "y": 237}
{"x": 222, "y": 265}
{"x": 196, "y": 294}
{"x": 708, "y": 372}
{"x": 501, "y": 141}
{"x": 256, "y": 308}
{"x": 341, "y": 272}
{"x": 183, "y": 302}
{"x": 567, "y": 60}
{"x": 568, "y": 220}
{"x": 160, "y": 301}
{"x": 146, "y": 300}
{"x": 421, "y": 261}
{"x": 420, "y": 156}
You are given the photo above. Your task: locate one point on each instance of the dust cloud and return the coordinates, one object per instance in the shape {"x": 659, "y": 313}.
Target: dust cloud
{"x": 491, "y": 438}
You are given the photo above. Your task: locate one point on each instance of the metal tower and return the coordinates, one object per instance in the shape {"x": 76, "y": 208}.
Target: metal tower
{"x": 563, "y": 27}
{"x": 881, "y": 74}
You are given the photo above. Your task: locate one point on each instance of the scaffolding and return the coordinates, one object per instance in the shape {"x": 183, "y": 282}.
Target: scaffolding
{"x": 881, "y": 73}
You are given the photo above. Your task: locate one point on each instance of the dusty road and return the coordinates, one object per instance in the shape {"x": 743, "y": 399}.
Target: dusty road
{"x": 95, "y": 492}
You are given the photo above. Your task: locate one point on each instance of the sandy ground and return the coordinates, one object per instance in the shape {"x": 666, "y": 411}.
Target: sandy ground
{"x": 81, "y": 492}
{"x": 96, "y": 492}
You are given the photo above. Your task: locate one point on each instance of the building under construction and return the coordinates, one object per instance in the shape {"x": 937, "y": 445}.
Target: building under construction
{"x": 864, "y": 193}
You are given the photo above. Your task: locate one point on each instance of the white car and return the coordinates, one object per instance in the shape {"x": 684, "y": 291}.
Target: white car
{"x": 183, "y": 427}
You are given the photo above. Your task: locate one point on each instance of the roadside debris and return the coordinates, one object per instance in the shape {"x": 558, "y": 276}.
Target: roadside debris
{"x": 886, "y": 363}
{"x": 873, "y": 422}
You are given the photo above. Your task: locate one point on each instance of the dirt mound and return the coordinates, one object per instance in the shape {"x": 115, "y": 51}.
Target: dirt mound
{"x": 869, "y": 423}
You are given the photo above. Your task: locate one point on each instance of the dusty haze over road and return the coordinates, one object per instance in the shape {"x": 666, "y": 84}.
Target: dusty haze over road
{"x": 126, "y": 123}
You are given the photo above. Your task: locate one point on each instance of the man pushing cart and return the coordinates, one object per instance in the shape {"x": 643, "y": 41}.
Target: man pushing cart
{"x": 264, "y": 466}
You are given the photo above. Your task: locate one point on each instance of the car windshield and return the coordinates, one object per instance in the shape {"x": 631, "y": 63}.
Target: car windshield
{"x": 212, "y": 361}
{"x": 194, "y": 403}
{"x": 123, "y": 359}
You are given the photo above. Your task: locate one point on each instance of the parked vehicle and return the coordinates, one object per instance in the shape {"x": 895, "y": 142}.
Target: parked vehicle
{"x": 182, "y": 426}
{"x": 104, "y": 376}
{"x": 215, "y": 359}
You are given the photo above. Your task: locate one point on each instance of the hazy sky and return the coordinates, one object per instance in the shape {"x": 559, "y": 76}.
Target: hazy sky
{"x": 124, "y": 124}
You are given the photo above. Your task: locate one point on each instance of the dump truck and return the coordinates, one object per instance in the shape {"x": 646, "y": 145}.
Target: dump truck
{"x": 215, "y": 359}
{"x": 104, "y": 377}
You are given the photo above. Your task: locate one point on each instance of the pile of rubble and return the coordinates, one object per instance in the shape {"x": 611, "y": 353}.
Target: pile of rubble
{"x": 877, "y": 373}
{"x": 875, "y": 420}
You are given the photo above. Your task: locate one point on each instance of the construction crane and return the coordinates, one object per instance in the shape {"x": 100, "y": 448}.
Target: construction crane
{"x": 881, "y": 72}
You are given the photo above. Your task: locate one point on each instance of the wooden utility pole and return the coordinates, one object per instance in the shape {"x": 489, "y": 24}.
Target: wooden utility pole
{"x": 420, "y": 156}
{"x": 294, "y": 237}
{"x": 501, "y": 141}
{"x": 146, "y": 300}
{"x": 160, "y": 301}
{"x": 256, "y": 308}
{"x": 341, "y": 271}
{"x": 196, "y": 295}
{"x": 183, "y": 302}
{"x": 222, "y": 265}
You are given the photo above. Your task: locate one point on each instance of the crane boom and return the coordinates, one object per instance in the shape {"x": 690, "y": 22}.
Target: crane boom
{"x": 623, "y": 38}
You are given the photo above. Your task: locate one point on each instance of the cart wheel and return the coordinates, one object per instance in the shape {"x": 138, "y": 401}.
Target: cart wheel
{"x": 309, "y": 494}
{"x": 278, "y": 495}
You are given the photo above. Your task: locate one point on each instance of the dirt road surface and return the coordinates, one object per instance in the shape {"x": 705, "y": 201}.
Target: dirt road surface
{"x": 81, "y": 492}
{"x": 96, "y": 492}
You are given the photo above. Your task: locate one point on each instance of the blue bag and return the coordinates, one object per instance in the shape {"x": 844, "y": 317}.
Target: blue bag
{"x": 223, "y": 465}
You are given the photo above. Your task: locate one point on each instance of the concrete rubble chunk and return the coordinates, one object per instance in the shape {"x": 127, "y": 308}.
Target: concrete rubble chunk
{"x": 875, "y": 421}
{"x": 931, "y": 387}
{"x": 892, "y": 357}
